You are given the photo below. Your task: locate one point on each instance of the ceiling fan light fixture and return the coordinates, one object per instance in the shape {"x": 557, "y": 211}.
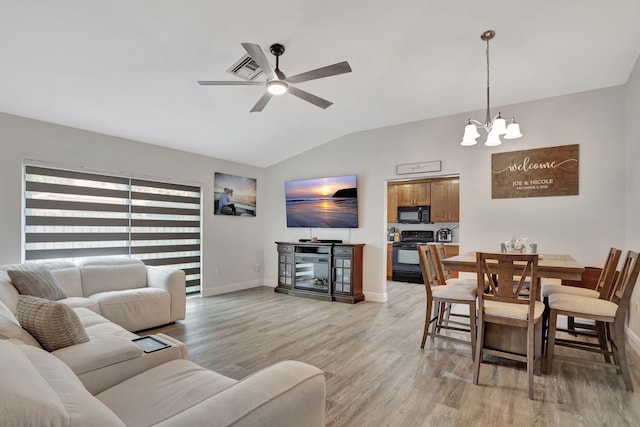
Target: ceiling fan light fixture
{"x": 277, "y": 87}
{"x": 277, "y": 83}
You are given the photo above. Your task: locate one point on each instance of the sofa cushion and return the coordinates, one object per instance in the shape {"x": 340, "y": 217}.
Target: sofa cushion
{"x": 136, "y": 309}
{"x": 111, "y": 274}
{"x": 38, "y": 389}
{"x": 39, "y": 283}
{"x": 97, "y": 354}
{"x": 155, "y": 390}
{"x": 54, "y": 324}
{"x": 82, "y": 302}
{"x": 10, "y": 328}
{"x": 69, "y": 279}
{"x": 8, "y": 293}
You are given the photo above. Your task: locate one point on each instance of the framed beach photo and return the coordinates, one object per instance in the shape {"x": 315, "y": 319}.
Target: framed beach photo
{"x": 234, "y": 195}
{"x": 330, "y": 202}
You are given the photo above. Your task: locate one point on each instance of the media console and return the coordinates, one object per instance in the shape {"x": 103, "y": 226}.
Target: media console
{"x": 326, "y": 271}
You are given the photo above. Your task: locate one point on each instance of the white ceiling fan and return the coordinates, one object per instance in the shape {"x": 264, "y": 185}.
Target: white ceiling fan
{"x": 277, "y": 83}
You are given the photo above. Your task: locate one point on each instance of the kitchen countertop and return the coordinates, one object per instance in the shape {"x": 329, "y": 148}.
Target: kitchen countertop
{"x": 446, "y": 244}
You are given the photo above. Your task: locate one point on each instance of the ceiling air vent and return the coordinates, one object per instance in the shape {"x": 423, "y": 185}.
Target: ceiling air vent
{"x": 245, "y": 68}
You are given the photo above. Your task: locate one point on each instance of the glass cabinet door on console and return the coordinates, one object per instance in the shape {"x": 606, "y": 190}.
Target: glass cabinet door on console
{"x": 347, "y": 273}
{"x": 342, "y": 270}
{"x": 285, "y": 267}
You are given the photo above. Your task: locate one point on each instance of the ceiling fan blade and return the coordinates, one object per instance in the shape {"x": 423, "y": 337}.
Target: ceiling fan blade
{"x": 229, "y": 83}
{"x": 262, "y": 102}
{"x": 256, "y": 53}
{"x": 317, "y": 101}
{"x": 280, "y": 74}
{"x": 329, "y": 70}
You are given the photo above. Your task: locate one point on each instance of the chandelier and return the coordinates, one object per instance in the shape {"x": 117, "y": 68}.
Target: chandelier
{"x": 495, "y": 127}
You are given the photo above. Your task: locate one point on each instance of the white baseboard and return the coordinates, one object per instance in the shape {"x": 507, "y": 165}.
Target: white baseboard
{"x": 634, "y": 340}
{"x": 217, "y": 290}
{"x": 376, "y": 297}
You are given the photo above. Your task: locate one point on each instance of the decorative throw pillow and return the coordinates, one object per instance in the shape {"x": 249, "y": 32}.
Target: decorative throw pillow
{"x": 54, "y": 324}
{"x": 39, "y": 283}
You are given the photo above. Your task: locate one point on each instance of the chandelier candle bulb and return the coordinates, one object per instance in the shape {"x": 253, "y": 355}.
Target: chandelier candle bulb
{"x": 494, "y": 127}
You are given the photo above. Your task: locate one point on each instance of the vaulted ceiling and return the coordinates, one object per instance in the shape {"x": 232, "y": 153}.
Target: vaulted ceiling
{"x": 129, "y": 68}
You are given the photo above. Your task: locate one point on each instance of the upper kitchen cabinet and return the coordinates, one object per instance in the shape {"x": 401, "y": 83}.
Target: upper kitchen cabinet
{"x": 414, "y": 193}
{"x": 392, "y": 203}
{"x": 445, "y": 200}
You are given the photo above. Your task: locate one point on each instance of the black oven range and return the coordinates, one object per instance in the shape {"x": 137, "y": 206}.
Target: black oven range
{"x": 405, "y": 260}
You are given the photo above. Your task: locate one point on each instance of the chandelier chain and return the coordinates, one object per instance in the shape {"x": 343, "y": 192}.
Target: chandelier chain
{"x": 495, "y": 127}
{"x": 488, "y": 117}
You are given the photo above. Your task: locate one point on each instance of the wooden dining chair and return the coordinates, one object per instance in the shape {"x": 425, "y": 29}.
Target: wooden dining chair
{"x": 441, "y": 253}
{"x": 443, "y": 272}
{"x": 613, "y": 313}
{"x": 439, "y": 294}
{"x": 603, "y": 290}
{"x": 501, "y": 301}
{"x": 603, "y": 285}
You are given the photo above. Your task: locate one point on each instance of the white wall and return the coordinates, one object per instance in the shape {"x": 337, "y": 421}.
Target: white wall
{"x": 633, "y": 189}
{"x": 584, "y": 226}
{"x": 232, "y": 244}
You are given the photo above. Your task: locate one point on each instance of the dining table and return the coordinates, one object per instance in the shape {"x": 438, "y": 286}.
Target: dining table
{"x": 553, "y": 266}
{"x": 513, "y": 339}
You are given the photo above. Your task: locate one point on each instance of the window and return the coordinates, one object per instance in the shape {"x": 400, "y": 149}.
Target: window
{"x": 71, "y": 215}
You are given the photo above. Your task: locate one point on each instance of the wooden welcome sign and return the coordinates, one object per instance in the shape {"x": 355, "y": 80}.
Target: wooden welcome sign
{"x": 542, "y": 172}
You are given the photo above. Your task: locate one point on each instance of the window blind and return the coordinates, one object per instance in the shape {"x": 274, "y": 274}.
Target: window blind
{"x": 71, "y": 215}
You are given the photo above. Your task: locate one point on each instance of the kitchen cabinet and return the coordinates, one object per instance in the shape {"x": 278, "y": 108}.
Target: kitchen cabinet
{"x": 392, "y": 203}
{"x": 414, "y": 194}
{"x": 389, "y": 261}
{"x": 445, "y": 200}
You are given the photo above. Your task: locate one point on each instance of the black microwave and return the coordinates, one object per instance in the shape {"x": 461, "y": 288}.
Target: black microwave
{"x": 414, "y": 214}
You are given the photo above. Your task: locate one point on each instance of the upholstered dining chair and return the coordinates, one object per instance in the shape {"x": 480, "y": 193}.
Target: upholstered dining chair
{"x": 440, "y": 294}
{"x": 443, "y": 271}
{"x": 603, "y": 290}
{"x": 501, "y": 301}
{"x": 613, "y": 313}
{"x": 603, "y": 285}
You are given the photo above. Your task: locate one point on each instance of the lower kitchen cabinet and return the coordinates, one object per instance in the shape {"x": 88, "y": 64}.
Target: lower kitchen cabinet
{"x": 389, "y": 261}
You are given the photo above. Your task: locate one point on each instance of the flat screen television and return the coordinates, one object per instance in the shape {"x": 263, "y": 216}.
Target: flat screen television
{"x": 322, "y": 202}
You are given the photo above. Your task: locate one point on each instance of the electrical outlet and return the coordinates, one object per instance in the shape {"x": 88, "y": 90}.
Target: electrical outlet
{"x": 636, "y": 305}
{"x": 217, "y": 270}
{"x": 257, "y": 267}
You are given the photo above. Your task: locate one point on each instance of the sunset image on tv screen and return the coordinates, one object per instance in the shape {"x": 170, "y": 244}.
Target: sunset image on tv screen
{"x": 322, "y": 202}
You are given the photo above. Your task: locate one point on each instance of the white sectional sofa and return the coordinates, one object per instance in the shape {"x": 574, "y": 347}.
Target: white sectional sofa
{"x": 108, "y": 358}
{"x": 123, "y": 290}
{"x": 110, "y": 381}
{"x": 38, "y": 389}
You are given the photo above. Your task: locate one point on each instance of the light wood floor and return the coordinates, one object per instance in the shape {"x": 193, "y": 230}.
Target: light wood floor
{"x": 376, "y": 373}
